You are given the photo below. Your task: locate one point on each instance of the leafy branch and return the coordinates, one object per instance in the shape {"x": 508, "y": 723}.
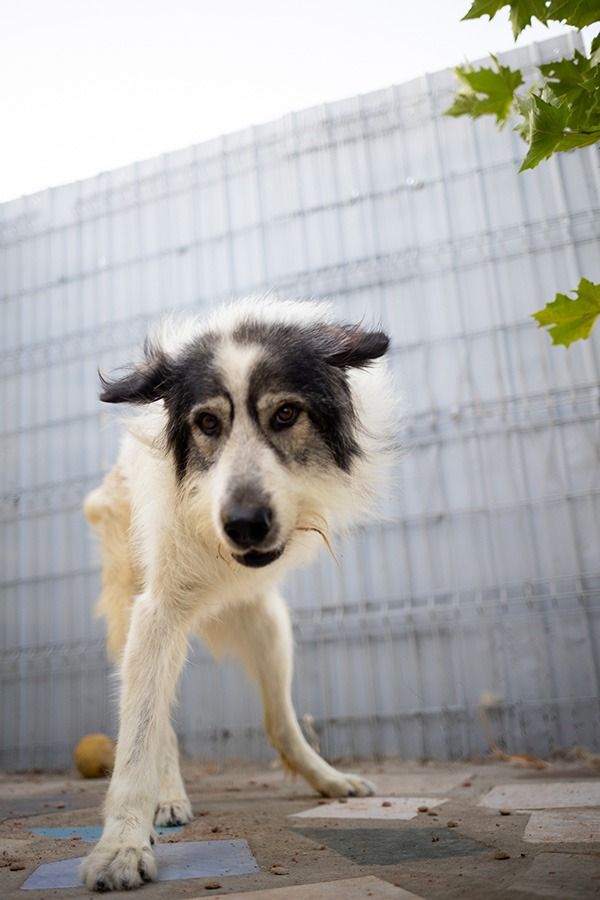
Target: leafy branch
{"x": 560, "y": 113}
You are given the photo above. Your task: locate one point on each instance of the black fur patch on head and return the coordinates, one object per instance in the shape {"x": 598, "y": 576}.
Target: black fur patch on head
{"x": 144, "y": 383}
{"x": 349, "y": 346}
{"x": 195, "y": 380}
{"x": 307, "y": 360}
{"x": 311, "y": 361}
{"x": 181, "y": 383}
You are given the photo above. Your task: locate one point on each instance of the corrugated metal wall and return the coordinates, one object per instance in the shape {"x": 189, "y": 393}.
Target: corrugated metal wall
{"x": 486, "y": 577}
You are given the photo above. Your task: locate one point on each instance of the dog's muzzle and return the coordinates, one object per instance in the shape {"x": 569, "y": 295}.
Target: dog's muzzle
{"x": 249, "y": 527}
{"x": 254, "y": 559}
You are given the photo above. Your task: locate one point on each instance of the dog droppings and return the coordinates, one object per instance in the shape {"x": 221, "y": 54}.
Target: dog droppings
{"x": 386, "y": 803}
{"x": 423, "y": 809}
{"x": 501, "y": 854}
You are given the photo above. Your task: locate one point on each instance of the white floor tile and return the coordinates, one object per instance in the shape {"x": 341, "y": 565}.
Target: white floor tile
{"x": 371, "y": 808}
{"x": 347, "y": 889}
{"x": 557, "y": 795}
{"x": 567, "y": 826}
{"x": 415, "y": 783}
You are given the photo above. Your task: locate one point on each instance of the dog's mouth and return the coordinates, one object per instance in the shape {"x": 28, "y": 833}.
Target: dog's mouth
{"x": 254, "y": 559}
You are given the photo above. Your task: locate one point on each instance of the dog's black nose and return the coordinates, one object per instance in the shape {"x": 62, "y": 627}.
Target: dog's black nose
{"x": 247, "y": 526}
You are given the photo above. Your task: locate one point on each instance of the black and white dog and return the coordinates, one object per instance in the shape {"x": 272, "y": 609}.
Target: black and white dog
{"x": 264, "y": 428}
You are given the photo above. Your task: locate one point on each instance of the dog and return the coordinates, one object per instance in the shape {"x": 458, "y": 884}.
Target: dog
{"x": 262, "y": 430}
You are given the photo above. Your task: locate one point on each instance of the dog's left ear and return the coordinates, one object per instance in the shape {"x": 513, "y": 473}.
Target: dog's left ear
{"x": 144, "y": 383}
{"x": 352, "y": 346}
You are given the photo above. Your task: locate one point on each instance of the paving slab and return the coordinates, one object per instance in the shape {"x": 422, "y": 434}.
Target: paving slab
{"x": 35, "y": 806}
{"x": 563, "y": 876}
{"x": 17, "y": 790}
{"x": 91, "y": 833}
{"x": 426, "y": 782}
{"x": 344, "y": 889}
{"x": 534, "y": 795}
{"x": 401, "y": 808}
{"x": 175, "y": 862}
{"x": 457, "y": 850}
{"x": 10, "y": 846}
{"x": 379, "y": 847}
{"x": 549, "y": 826}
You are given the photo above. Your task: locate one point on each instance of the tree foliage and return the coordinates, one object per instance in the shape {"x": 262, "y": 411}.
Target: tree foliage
{"x": 560, "y": 113}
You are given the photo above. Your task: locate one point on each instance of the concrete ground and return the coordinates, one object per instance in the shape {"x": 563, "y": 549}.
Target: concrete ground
{"x": 490, "y": 831}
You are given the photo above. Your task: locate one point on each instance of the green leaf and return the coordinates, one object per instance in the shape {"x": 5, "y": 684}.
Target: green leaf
{"x": 486, "y": 92}
{"x": 569, "y": 319}
{"x": 485, "y": 8}
{"x": 578, "y": 13}
{"x": 522, "y": 12}
{"x": 572, "y": 140}
{"x": 523, "y": 105}
{"x": 577, "y": 82}
{"x": 546, "y": 123}
{"x": 574, "y": 12}
{"x": 566, "y": 76}
{"x": 595, "y": 51}
{"x": 465, "y": 104}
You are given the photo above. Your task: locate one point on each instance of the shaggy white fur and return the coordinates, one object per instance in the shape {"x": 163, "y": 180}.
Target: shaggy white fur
{"x": 169, "y": 569}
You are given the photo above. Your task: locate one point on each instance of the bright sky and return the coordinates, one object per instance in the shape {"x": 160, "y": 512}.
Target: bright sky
{"x": 89, "y": 85}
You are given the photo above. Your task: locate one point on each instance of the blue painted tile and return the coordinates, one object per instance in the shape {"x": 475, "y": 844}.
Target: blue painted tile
{"x": 91, "y": 832}
{"x": 193, "y": 859}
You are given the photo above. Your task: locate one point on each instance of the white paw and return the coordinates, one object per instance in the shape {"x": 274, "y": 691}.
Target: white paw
{"x": 118, "y": 867}
{"x": 173, "y": 812}
{"x": 344, "y": 784}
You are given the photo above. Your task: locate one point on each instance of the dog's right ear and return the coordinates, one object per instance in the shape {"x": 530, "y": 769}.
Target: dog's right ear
{"x": 146, "y": 382}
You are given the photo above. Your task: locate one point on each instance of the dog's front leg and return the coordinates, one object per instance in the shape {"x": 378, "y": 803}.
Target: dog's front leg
{"x": 260, "y": 635}
{"x": 173, "y": 807}
{"x": 154, "y": 655}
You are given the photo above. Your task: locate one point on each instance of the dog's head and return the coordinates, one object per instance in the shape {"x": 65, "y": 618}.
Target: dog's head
{"x": 260, "y": 419}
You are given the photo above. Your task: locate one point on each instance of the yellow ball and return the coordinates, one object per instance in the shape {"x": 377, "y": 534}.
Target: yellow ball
{"x": 94, "y": 755}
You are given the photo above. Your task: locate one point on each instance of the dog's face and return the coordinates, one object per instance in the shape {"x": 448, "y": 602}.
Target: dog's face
{"x": 258, "y": 420}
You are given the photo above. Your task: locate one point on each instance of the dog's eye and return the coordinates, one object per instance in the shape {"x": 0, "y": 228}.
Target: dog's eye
{"x": 285, "y": 416}
{"x": 208, "y": 423}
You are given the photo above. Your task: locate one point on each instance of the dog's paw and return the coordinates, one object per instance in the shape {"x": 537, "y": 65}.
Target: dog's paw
{"x": 173, "y": 812}
{"x": 118, "y": 867}
{"x": 344, "y": 784}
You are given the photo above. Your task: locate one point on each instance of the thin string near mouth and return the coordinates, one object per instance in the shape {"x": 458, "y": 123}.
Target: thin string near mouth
{"x": 224, "y": 558}
{"x": 323, "y": 531}
{"x": 253, "y": 558}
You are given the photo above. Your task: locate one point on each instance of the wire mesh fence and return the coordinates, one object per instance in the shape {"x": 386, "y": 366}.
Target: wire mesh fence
{"x": 484, "y": 576}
